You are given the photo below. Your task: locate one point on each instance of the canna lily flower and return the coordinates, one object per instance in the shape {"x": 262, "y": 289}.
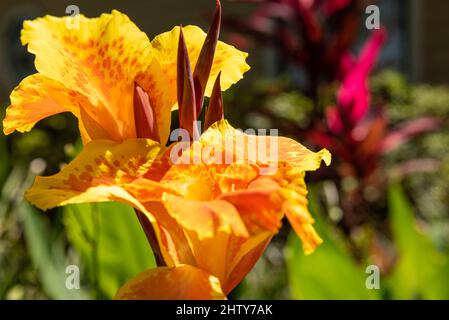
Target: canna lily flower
{"x": 209, "y": 206}
{"x": 92, "y": 72}
{"x": 212, "y": 218}
{"x": 213, "y": 203}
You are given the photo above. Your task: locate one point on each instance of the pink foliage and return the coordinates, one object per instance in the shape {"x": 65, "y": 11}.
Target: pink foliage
{"x": 353, "y": 97}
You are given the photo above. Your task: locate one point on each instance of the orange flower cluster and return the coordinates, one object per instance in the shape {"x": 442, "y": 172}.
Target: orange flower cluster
{"x": 208, "y": 219}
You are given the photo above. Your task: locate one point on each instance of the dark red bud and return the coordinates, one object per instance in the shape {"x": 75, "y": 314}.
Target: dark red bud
{"x": 144, "y": 116}
{"x": 206, "y": 58}
{"x": 215, "y": 110}
{"x": 186, "y": 90}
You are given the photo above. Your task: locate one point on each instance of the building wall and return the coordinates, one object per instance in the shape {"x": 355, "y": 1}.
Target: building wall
{"x": 430, "y": 40}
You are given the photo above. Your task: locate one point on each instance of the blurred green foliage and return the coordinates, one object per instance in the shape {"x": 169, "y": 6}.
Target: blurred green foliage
{"x": 421, "y": 271}
{"x": 328, "y": 273}
{"x": 18, "y": 277}
{"x": 111, "y": 242}
{"x": 4, "y": 161}
{"x": 268, "y": 279}
{"x": 428, "y": 191}
{"x": 406, "y": 100}
{"x": 48, "y": 254}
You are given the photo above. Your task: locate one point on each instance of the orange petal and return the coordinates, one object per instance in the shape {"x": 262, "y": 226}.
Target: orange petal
{"x": 259, "y": 209}
{"x": 215, "y": 232}
{"x": 227, "y": 256}
{"x": 205, "y": 218}
{"x": 182, "y": 282}
{"x": 148, "y": 190}
{"x": 98, "y": 58}
{"x": 215, "y": 255}
{"x": 245, "y": 258}
{"x": 236, "y": 177}
{"x": 192, "y": 182}
{"x": 264, "y": 203}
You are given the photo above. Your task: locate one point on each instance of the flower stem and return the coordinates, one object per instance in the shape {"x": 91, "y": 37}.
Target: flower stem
{"x": 151, "y": 237}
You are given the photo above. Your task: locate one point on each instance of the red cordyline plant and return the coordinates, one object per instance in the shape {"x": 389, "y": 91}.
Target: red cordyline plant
{"x": 317, "y": 36}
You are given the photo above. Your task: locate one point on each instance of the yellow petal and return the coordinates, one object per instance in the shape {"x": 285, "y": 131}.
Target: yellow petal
{"x": 307, "y": 233}
{"x": 182, "y": 282}
{"x": 300, "y": 157}
{"x": 297, "y": 212}
{"x": 228, "y": 60}
{"x": 97, "y": 174}
{"x": 98, "y": 58}
{"x": 263, "y": 150}
{"x": 38, "y": 97}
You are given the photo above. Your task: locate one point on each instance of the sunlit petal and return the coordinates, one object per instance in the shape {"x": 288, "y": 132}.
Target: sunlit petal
{"x": 38, "y": 97}
{"x": 97, "y": 174}
{"x": 228, "y": 60}
{"x": 99, "y": 58}
{"x": 183, "y": 282}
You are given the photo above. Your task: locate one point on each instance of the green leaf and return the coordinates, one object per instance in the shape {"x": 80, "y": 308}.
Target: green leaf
{"x": 330, "y": 272}
{"x": 421, "y": 271}
{"x": 47, "y": 255}
{"x": 111, "y": 242}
